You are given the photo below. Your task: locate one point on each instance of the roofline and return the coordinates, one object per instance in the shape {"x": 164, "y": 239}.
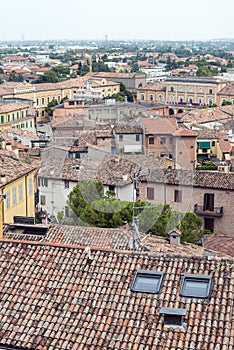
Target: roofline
{"x": 119, "y": 251}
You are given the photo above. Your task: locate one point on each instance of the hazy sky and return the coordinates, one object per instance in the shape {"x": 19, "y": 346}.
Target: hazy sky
{"x": 119, "y": 19}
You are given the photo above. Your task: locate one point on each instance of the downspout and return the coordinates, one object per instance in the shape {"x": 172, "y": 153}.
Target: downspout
{"x": 26, "y": 193}
{"x": 2, "y": 197}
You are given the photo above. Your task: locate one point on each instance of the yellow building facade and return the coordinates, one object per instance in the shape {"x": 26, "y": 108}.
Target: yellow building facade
{"x": 16, "y": 115}
{"x": 17, "y": 186}
{"x": 193, "y": 91}
{"x": 42, "y": 94}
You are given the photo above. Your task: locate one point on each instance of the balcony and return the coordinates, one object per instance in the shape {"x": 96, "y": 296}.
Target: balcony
{"x": 200, "y": 210}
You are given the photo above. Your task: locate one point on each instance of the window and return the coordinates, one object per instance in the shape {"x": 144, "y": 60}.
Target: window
{"x": 147, "y": 281}
{"x": 2, "y": 118}
{"x": 43, "y": 200}
{"x": 172, "y": 89}
{"x": 171, "y": 98}
{"x": 208, "y": 202}
{"x": 17, "y": 114}
{"x": 160, "y": 98}
{"x": 200, "y": 100}
{"x": 151, "y": 97}
{"x": 37, "y": 101}
{"x": 42, "y": 100}
{"x": 150, "y": 193}
{"x": 191, "y": 89}
{"x": 162, "y": 140}
{"x": 13, "y": 116}
{"x": 190, "y": 100}
{"x": 142, "y": 96}
{"x": 120, "y": 137}
{"x": 213, "y": 143}
{"x": 196, "y": 286}
{"x": 210, "y": 91}
{"x": 137, "y": 137}
{"x": 14, "y": 195}
{"x": 177, "y": 196}
{"x": 151, "y": 140}
{"x": 31, "y": 186}
{"x": 8, "y": 200}
{"x": 20, "y": 192}
{"x": 209, "y": 224}
{"x": 66, "y": 183}
{"x": 210, "y": 101}
{"x": 22, "y": 114}
{"x": 48, "y": 99}
{"x": 8, "y": 117}
{"x": 162, "y": 154}
{"x": 43, "y": 181}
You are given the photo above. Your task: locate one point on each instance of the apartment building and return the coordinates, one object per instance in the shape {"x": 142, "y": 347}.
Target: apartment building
{"x": 19, "y": 115}
{"x": 193, "y": 90}
{"x": 206, "y": 193}
{"x": 182, "y": 93}
{"x": 226, "y": 94}
{"x": 163, "y": 138}
{"x": 17, "y": 184}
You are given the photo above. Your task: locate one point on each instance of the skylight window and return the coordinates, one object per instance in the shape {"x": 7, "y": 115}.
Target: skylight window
{"x": 196, "y": 286}
{"x": 146, "y": 281}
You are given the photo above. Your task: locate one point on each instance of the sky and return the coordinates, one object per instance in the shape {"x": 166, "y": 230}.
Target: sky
{"x": 116, "y": 19}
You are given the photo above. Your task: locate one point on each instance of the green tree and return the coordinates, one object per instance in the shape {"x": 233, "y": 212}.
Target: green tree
{"x": 15, "y": 77}
{"x": 190, "y": 228}
{"x": 49, "y": 108}
{"x": 83, "y": 194}
{"x": 48, "y": 77}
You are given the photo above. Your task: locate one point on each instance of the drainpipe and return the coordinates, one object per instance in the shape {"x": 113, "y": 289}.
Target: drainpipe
{"x": 26, "y": 194}
{"x": 2, "y": 197}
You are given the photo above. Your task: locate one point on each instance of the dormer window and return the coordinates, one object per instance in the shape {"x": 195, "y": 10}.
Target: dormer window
{"x": 173, "y": 316}
{"x": 196, "y": 286}
{"x": 146, "y": 281}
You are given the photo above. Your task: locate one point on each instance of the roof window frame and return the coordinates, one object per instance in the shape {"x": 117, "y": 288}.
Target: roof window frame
{"x": 157, "y": 275}
{"x": 196, "y": 278}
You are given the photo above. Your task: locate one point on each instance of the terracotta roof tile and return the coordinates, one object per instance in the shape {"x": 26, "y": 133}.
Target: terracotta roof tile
{"x": 222, "y": 243}
{"x": 8, "y": 164}
{"x": 159, "y": 125}
{"x": 107, "y": 314}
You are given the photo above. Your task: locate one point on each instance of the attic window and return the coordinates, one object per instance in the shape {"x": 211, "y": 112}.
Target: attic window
{"x": 146, "y": 281}
{"x": 173, "y": 316}
{"x": 196, "y": 286}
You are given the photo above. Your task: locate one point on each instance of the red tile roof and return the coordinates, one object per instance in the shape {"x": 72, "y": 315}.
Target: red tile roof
{"x": 220, "y": 243}
{"x": 159, "y": 125}
{"x": 55, "y": 297}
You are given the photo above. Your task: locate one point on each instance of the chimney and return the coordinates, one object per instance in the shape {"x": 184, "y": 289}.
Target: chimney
{"x": 175, "y": 236}
{"x": 173, "y": 317}
{"x": 8, "y": 146}
{"x": 3, "y": 178}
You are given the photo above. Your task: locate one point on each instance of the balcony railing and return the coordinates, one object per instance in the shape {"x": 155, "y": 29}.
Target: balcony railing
{"x": 200, "y": 210}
